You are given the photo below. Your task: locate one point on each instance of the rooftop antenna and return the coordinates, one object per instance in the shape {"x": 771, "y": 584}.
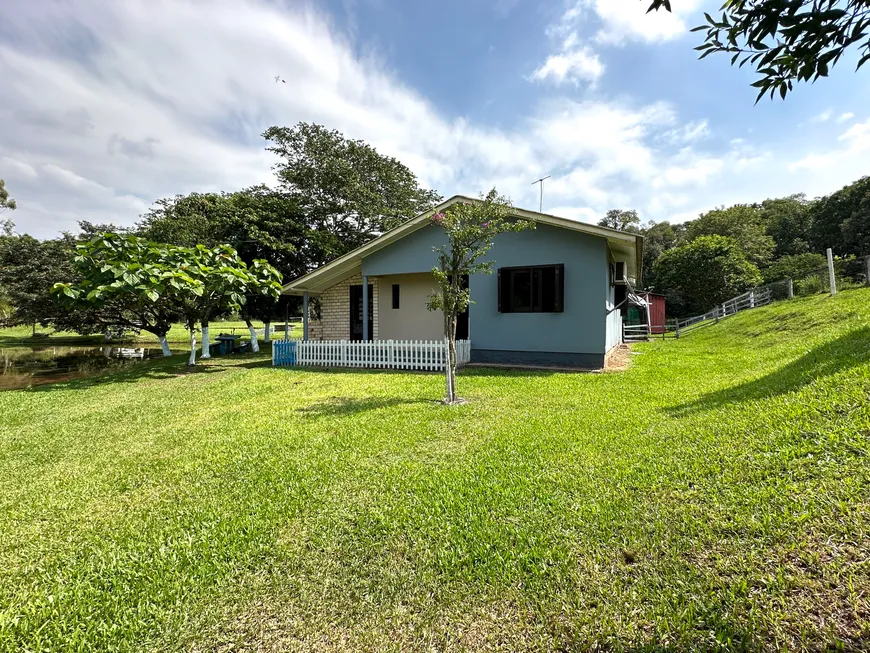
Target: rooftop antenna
{"x": 541, "y": 182}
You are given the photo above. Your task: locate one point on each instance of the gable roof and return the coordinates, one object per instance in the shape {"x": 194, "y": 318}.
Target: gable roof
{"x": 624, "y": 246}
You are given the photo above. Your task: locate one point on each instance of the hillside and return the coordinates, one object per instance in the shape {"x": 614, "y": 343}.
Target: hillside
{"x": 712, "y": 496}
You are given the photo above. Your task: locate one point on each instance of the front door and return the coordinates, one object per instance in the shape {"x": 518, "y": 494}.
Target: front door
{"x": 356, "y": 312}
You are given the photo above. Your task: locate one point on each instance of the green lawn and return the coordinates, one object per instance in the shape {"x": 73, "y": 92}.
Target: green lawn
{"x": 714, "y": 496}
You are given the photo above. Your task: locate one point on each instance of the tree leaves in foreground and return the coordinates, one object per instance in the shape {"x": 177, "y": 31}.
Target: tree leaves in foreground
{"x": 471, "y": 228}
{"x": 345, "y": 185}
{"x": 703, "y": 273}
{"x": 786, "y": 41}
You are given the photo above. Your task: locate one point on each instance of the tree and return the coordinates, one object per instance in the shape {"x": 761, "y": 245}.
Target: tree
{"x": 841, "y": 220}
{"x": 704, "y": 273}
{"x": 470, "y": 228}
{"x": 658, "y": 237}
{"x": 794, "y": 266}
{"x": 223, "y": 283}
{"x": 345, "y": 185}
{"x": 28, "y": 270}
{"x": 788, "y": 220}
{"x": 786, "y": 41}
{"x": 5, "y": 201}
{"x": 128, "y": 282}
{"x": 619, "y": 219}
{"x": 743, "y": 223}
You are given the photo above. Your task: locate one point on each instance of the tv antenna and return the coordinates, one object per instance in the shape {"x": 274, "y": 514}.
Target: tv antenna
{"x": 541, "y": 182}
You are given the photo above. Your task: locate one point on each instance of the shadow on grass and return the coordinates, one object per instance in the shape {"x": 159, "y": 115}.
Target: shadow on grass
{"x": 346, "y": 406}
{"x": 156, "y": 369}
{"x": 846, "y": 352}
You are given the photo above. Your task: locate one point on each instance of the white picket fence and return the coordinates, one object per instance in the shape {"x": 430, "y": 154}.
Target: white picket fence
{"x": 386, "y": 354}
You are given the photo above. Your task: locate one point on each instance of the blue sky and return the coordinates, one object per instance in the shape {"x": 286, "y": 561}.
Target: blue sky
{"x": 108, "y": 106}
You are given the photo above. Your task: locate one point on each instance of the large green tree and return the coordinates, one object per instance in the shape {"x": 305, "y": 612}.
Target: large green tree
{"x": 794, "y": 266}
{"x": 658, "y": 237}
{"x": 788, "y": 220}
{"x": 743, "y": 223}
{"x": 786, "y": 41}
{"x": 344, "y": 186}
{"x": 841, "y": 220}
{"x": 703, "y": 273}
{"x": 471, "y": 228}
{"x": 620, "y": 219}
{"x": 28, "y": 269}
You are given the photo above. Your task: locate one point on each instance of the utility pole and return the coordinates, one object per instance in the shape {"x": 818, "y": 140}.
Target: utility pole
{"x": 541, "y": 182}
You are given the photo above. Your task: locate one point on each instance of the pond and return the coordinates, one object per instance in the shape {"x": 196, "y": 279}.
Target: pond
{"x": 22, "y": 367}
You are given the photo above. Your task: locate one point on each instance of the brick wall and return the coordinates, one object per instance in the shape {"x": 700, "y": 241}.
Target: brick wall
{"x": 335, "y": 310}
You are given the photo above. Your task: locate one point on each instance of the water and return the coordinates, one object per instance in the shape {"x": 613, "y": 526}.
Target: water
{"x": 22, "y": 367}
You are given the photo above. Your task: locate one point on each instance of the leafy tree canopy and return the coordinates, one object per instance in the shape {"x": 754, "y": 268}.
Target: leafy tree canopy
{"x": 619, "y": 219}
{"x": 788, "y": 220}
{"x": 28, "y": 270}
{"x": 786, "y": 41}
{"x": 345, "y": 184}
{"x": 743, "y": 223}
{"x": 703, "y": 273}
{"x": 794, "y": 266}
{"x": 842, "y": 220}
{"x": 658, "y": 237}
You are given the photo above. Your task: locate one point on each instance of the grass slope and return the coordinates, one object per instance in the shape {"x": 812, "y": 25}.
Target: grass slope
{"x": 714, "y": 496}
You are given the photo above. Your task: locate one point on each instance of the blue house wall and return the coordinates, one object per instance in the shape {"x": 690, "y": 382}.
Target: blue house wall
{"x": 575, "y": 337}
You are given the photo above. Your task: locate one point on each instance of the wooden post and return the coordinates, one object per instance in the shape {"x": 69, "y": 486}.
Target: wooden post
{"x": 867, "y": 270}
{"x": 677, "y": 328}
{"x": 831, "y": 277}
{"x": 791, "y": 288}
{"x": 305, "y": 316}
{"x": 716, "y": 314}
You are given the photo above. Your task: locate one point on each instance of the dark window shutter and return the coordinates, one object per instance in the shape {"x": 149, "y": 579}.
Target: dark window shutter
{"x": 560, "y": 288}
{"x": 395, "y": 295}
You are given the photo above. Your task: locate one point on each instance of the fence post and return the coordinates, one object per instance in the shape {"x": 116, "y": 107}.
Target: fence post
{"x": 791, "y": 288}
{"x": 677, "y": 328}
{"x": 831, "y": 277}
{"x": 716, "y": 314}
{"x": 867, "y": 270}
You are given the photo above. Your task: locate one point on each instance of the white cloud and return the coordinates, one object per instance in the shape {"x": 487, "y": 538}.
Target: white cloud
{"x": 845, "y": 117}
{"x": 578, "y": 65}
{"x": 159, "y": 98}
{"x": 824, "y": 116}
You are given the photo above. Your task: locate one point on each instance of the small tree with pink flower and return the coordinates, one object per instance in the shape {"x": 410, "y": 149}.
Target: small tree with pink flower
{"x": 471, "y": 228}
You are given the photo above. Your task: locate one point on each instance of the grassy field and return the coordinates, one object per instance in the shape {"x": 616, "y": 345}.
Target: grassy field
{"x": 715, "y": 496}
{"x": 22, "y": 335}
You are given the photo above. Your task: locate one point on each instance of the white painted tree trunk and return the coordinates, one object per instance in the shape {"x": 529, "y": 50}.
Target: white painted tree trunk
{"x": 255, "y": 344}
{"x": 165, "y": 346}
{"x": 267, "y": 337}
{"x": 206, "y": 344}
{"x": 192, "y": 360}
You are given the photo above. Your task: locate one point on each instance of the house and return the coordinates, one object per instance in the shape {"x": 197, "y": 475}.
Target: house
{"x": 549, "y": 302}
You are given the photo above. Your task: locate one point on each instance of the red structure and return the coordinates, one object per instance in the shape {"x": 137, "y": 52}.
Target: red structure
{"x": 656, "y": 311}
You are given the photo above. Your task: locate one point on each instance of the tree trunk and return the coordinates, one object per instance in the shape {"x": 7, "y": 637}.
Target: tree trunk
{"x": 255, "y": 344}
{"x": 267, "y": 337}
{"x": 192, "y": 359}
{"x": 451, "y": 359}
{"x": 206, "y": 343}
{"x": 164, "y": 345}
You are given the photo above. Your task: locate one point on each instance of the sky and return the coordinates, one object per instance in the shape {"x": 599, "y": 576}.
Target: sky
{"x": 108, "y": 106}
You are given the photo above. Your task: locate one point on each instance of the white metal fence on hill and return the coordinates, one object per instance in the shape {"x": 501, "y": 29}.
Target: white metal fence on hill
{"x": 385, "y": 354}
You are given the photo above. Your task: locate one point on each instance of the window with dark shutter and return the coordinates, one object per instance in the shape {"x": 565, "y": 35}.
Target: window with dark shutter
{"x": 395, "y": 295}
{"x": 538, "y": 289}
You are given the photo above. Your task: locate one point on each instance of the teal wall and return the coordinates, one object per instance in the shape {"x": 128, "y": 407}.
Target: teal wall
{"x": 580, "y": 329}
